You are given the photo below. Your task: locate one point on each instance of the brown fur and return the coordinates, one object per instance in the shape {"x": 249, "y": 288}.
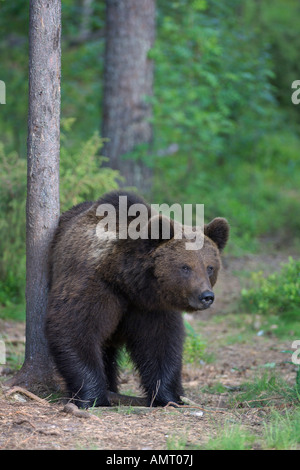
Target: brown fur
{"x": 105, "y": 293}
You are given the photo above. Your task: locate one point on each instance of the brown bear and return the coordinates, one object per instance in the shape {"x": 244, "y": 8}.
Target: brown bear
{"x": 107, "y": 291}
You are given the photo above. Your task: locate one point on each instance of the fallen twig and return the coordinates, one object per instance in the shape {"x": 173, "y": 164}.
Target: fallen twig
{"x": 28, "y": 394}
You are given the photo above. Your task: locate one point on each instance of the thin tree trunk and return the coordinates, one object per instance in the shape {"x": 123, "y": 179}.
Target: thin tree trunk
{"x": 42, "y": 208}
{"x": 86, "y": 14}
{"x": 128, "y": 80}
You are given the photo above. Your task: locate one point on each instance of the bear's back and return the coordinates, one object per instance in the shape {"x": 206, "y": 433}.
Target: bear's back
{"x": 75, "y": 241}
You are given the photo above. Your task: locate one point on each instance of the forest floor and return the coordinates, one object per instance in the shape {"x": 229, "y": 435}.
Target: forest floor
{"x": 239, "y": 352}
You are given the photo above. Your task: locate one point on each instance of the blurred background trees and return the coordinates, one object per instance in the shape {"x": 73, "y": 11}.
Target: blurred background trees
{"x": 127, "y": 86}
{"x": 224, "y": 131}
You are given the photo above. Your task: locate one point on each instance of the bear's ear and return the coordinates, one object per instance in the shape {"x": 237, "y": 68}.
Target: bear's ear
{"x": 218, "y": 231}
{"x": 160, "y": 228}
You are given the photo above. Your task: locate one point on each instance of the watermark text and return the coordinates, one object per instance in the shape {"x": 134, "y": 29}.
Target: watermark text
{"x": 163, "y": 223}
{"x": 2, "y": 92}
{"x": 296, "y": 94}
{"x": 2, "y": 352}
{"x": 296, "y": 354}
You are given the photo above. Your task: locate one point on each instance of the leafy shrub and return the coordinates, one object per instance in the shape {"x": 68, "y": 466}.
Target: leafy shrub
{"x": 194, "y": 346}
{"x": 215, "y": 105}
{"x": 82, "y": 177}
{"x": 12, "y": 225}
{"x": 279, "y": 293}
{"x": 277, "y": 299}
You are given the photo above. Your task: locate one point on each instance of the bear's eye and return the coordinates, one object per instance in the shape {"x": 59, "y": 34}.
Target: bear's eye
{"x": 210, "y": 270}
{"x": 186, "y": 269}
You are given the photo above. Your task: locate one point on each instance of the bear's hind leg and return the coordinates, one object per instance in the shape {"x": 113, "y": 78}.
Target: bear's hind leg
{"x": 92, "y": 390}
{"x": 77, "y": 333}
{"x": 85, "y": 379}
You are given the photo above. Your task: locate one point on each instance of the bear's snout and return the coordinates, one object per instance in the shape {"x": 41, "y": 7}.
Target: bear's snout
{"x": 201, "y": 301}
{"x": 206, "y": 298}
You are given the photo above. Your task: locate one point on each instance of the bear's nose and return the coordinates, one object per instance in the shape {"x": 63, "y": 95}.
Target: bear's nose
{"x": 206, "y": 298}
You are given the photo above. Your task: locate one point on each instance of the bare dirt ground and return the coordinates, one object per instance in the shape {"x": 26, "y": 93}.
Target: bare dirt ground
{"x": 26, "y": 423}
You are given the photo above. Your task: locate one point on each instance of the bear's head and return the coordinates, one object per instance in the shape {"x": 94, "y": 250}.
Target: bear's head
{"x": 186, "y": 276}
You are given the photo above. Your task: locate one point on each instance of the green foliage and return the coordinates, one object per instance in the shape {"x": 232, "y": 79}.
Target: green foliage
{"x": 14, "y": 72}
{"x": 221, "y": 103}
{"x": 277, "y": 296}
{"x": 279, "y": 29}
{"x": 176, "y": 442}
{"x": 215, "y": 99}
{"x": 223, "y": 83}
{"x": 261, "y": 391}
{"x": 82, "y": 178}
{"x": 277, "y": 299}
{"x": 194, "y": 346}
{"x": 278, "y": 293}
{"x": 282, "y": 431}
{"x": 215, "y": 389}
{"x": 12, "y": 226}
{"x": 231, "y": 437}
{"x": 124, "y": 360}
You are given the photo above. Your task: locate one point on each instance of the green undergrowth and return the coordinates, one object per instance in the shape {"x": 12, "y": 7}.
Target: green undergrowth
{"x": 276, "y": 298}
{"x": 267, "y": 388}
{"x": 195, "y": 347}
{"x": 279, "y": 431}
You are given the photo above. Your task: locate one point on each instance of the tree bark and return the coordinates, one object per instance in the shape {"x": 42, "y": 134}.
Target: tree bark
{"x": 128, "y": 80}
{"x": 42, "y": 206}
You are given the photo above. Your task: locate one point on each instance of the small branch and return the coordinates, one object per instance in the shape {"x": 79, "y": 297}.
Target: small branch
{"x": 28, "y": 394}
{"x": 188, "y": 401}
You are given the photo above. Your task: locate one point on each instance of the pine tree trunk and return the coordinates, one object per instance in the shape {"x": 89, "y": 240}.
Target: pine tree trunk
{"x": 128, "y": 80}
{"x": 42, "y": 209}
